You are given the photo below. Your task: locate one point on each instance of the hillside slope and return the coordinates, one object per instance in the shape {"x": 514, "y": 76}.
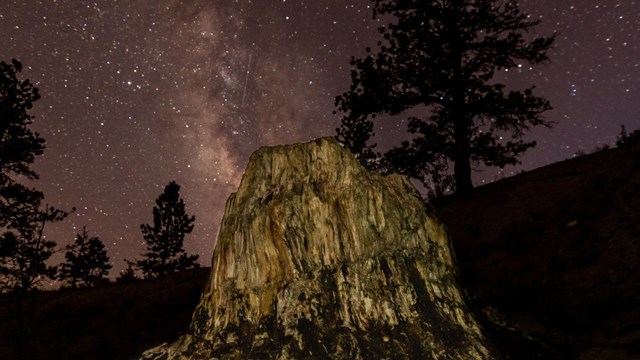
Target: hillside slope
{"x": 115, "y": 321}
{"x": 556, "y": 251}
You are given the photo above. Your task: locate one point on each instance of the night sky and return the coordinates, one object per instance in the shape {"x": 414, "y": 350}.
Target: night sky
{"x": 138, "y": 93}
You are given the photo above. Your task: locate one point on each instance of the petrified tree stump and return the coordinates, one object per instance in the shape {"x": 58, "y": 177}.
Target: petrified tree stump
{"x": 319, "y": 258}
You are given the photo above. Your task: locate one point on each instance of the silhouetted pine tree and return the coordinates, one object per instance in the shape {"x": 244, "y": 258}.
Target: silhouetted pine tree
{"x": 127, "y": 275}
{"x": 439, "y": 60}
{"x": 626, "y": 139}
{"x": 86, "y": 262}
{"x": 165, "y": 237}
{"x": 23, "y": 247}
{"x": 19, "y": 146}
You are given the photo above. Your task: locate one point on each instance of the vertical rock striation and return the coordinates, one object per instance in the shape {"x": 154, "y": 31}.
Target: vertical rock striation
{"x": 319, "y": 258}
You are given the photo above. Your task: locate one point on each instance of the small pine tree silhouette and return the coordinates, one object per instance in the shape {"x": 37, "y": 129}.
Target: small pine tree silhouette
{"x": 86, "y": 263}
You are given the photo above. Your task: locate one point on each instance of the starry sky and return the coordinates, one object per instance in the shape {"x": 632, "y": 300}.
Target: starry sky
{"x": 138, "y": 93}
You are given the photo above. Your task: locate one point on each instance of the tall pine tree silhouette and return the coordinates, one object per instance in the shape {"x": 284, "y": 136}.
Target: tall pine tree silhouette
{"x": 165, "y": 237}
{"x": 24, "y": 249}
{"x": 439, "y": 60}
{"x": 19, "y": 146}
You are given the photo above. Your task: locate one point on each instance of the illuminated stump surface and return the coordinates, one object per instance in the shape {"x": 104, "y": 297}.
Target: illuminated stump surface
{"x": 319, "y": 258}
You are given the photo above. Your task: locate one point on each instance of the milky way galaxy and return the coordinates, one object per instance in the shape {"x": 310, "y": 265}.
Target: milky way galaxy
{"x": 138, "y": 93}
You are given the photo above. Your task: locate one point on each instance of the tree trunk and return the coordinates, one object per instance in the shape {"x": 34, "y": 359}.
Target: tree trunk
{"x": 457, "y": 113}
{"x": 462, "y": 152}
{"x": 462, "y": 168}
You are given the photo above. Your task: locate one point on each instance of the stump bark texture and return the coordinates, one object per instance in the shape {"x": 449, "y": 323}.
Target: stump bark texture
{"x": 317, "y": 257}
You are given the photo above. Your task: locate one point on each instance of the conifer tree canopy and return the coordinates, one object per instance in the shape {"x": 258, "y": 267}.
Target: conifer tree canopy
{"x": 19, "y": 146}
{"x": 439, "y": 59}
{"x": 24, "y": 249}
{"x": 165, "y": 237}
{"x": 86, "y": 261}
